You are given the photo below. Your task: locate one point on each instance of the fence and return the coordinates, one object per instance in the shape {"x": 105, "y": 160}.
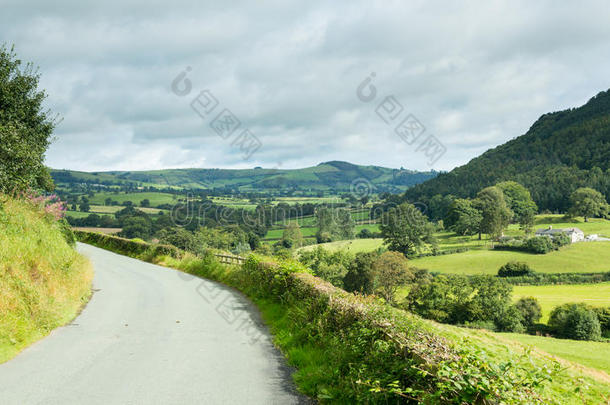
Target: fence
{"x": 230, "y": 259}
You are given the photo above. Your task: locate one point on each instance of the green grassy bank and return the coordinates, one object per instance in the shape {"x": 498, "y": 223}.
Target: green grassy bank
{"x": 44, "y": 282}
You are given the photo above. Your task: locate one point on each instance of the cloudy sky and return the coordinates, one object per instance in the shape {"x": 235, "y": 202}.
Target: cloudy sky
{"x": 474, "y": 75}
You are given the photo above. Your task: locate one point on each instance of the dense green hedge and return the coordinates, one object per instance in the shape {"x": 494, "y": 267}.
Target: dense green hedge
{"x": 132, "y": 248}
{"x": 559, "y": 278}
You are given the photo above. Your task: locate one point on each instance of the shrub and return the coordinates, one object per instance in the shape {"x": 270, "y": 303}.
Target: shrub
{"x": 510, "y": 320}
{"x": 560, "y": 240}
{"x": 575, "y": 321}
{"x": 459, "y": 299}
{"x": 324, "y": 237}
{"x": 365, "y": 233}
{"x": 530, "y": 310}
{"x": 559, "y": 278}
{"x": 515, "y": 269}
{"x": 360, "y": 275}
{"x": 603, "y": 316}
{"x": 66, "y": 231}
{"x": 390, "y": 272}
{"x": 539, "y": 244}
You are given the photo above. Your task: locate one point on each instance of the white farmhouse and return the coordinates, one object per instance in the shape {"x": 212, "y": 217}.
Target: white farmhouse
{"x": 575, "y": 234}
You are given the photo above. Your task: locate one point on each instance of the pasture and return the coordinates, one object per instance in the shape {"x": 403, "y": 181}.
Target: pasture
{"x": 111, "y": 209}
{"x": 550, "y": 296}
{"x": 580, "y": 257}
{"x": 352, "y": 245}
{"x": 588, "y": 353}
{"x": 155, "y": 198}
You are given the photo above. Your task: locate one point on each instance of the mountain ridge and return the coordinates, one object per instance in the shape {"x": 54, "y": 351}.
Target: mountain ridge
{"x": 560, "y": 152}
{"x": 336, "y": 175}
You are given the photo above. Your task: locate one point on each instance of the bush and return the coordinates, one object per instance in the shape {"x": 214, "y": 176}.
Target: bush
{"x": 560, "y": 240}
{"x": 515, "y": 269}
{"x": 139, "y": 250}
{"x": 390, "y": 271}
{"x": 459, "y": 299}
{"x": 510, "y": 320}
{"x": 360, "y": 275}
{"x": 559, "y": 278}
{"x": 365, "y": 233}
{"x": 603, "y": 316}
{"x": 530, "y": 310}
{"x": 66, "y": 231}
{"x": 539, "y": 244}
{"x": 575, "y": 321}
{"x": 324, "y": 237}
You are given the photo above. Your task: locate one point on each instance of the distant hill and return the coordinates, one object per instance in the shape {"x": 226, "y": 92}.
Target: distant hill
{"x": 337, "y": 176}
{"x": 562, "y": 151}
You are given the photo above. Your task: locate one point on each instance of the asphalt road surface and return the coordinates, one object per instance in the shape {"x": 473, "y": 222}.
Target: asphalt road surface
{"x": 151, "y": 335}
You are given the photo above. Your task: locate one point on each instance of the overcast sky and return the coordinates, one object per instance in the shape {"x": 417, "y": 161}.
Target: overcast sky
{"x": 474, "y": 75}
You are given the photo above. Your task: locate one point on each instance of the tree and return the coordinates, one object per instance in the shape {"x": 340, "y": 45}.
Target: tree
{"x": 84, "y": 206}
{"x": 179, "y": 237}
{"x": 332, "y": 267}
{"x": 360, "y": 276}
{"x": 334, "y": 224}
{"x": 390, "y": 272}
{"x": 463, "y": 218}
{"x": 575, "y": 321}
{"x": 458, "y": 299}
{"x": 588, "y": 202}
{"x": 519, "y": 200}
{"x": 494, "y": 211}
{"x": 25, "y": 129}
{"x": 515, "y": 269}
{"x": 136, "y": 227}
{"x": 145, "y": 203}
{"x": 405, "y": 229}
{"x": 292, "y": 237}
{"x": 439, "y": 206}
{"x": 108, "y": 201}
{"x": 530, "y": 310}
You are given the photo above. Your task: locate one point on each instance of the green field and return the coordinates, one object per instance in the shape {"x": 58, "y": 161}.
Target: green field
{"x": 550, "y": 296}
{"x": 587, "y": 353}
{"x": 111, "y": 209}
{"x": 155, "y": 198}
{"x": 232, "y": 202}
{"x": 576, "y": 258}
{"x": 595, "y": 225}
{"x": 305, "y": 200}
{"x": 353, "y": 245}
{"x": 79, "y": 214}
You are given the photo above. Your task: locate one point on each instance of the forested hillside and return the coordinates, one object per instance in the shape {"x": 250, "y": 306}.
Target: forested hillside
{"x": 561, "y": 152}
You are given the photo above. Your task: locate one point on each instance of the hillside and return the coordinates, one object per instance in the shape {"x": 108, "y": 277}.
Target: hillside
{"x": 334, "y": 175}
{"x": 44, "y": 281}
{"x": 562, "y": 151}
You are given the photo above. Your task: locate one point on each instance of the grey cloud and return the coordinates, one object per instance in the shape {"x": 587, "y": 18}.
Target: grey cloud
{"x": 476, "y": 74}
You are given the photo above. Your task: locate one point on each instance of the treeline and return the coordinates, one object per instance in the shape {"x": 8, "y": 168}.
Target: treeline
{"x": 561, "y": 152}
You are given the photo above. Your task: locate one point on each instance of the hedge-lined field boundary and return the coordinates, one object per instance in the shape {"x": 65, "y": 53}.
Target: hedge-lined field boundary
{"x": 372, "y": 352}
{"x": 131, "y": 248}
{"x": 559, "y": 278}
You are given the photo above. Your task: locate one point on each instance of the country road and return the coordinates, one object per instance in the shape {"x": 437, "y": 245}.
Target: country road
{"x": 151, "y": 335}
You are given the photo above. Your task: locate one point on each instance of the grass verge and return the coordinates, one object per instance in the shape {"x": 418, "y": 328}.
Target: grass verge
{"x": 44, "y": 282}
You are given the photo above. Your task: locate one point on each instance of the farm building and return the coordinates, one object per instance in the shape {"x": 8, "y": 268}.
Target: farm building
{"x": 575, "y": 234}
